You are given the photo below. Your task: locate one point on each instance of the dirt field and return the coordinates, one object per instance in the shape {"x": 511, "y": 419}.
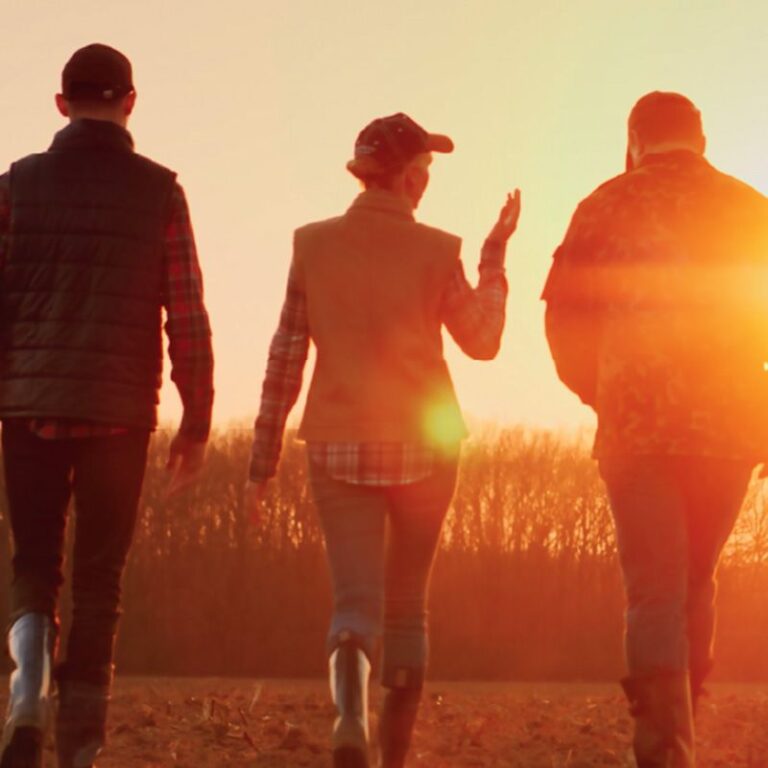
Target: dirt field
{"x": 208, "y": 723}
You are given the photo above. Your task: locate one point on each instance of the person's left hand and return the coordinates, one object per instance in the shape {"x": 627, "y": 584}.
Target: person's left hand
{"x": 253, "y": 500}
{"x": 508, "y": 218}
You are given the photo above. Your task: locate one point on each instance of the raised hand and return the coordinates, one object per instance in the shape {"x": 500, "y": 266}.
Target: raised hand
{"x": 507, "y": 221}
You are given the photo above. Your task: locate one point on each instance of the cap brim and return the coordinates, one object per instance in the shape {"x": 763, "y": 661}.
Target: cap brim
{"x": 436, "y": 142}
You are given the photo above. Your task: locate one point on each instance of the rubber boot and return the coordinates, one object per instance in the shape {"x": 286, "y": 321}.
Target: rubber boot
{"x": 30, "y": 645}
{"x": 396, "y": 721}
{"x": 661, "y": 706}
{"x": 81, "y": 721}
{"x": 349, "y": 671}
{"x": 698, "y": 691}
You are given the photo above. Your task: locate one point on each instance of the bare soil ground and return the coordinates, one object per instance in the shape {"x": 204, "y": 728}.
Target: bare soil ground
{"x": 225, "y": 723}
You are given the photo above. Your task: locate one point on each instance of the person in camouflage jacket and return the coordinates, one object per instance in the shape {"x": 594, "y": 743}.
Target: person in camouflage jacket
{"x": 657, "y": 318}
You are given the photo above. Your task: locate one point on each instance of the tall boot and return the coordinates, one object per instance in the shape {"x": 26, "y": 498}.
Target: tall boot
{"x": 661, "y": 706}
{"x": 30, "y": 644}
{"x": 697, "y": 678}
{"x": 349, "y": 671}
{"x": 81, "y": 720}
{"x": 396, "y": 721}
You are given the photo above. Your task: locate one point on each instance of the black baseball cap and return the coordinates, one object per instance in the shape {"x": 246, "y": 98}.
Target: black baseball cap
{"x": 96, "y": 73}
{"x": 664, "y": 115}
{"x": 388, "y": 143}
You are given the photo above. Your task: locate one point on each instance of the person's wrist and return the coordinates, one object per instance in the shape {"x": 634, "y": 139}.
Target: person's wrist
{"x": 192, "y": 433}
{"x": 258, "y": 474}
{"x": 493, "y": 254}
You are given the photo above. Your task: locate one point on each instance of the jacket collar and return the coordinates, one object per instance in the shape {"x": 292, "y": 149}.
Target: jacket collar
{"x": 674, "y": 157}
{"x": 92, "y": 134}
{"x": 381, "y": 201}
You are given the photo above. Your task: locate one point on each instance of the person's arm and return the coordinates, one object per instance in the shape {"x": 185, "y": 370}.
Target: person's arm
{"x": 475, "y": 316}
{"x": 282, "y": 381}
{"x": 5, "y": 216}
{"x": 189, "y": 342}
{"x": 573, "y": 326}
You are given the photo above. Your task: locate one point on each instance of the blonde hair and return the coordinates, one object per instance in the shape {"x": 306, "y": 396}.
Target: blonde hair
{"x": 370, "y": 172}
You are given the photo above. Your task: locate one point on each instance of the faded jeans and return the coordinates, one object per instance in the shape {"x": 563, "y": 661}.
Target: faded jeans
{"x": 673, "y": 515}
{"x": 381, "y": 543}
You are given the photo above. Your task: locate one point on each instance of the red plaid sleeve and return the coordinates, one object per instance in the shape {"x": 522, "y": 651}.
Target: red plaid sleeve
{"x": 187, "y": 325}
{"x": 282, "y": 382}
{"x": 5, "y": 216}
{"x": 475, "y": 316}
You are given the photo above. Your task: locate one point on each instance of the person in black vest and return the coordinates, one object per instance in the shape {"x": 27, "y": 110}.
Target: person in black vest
{"x": 95, "y": 243}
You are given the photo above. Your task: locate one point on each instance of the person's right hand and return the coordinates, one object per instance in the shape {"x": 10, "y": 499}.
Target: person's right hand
{"x": 507, "y": 221}
{"x": 185, "y": 464}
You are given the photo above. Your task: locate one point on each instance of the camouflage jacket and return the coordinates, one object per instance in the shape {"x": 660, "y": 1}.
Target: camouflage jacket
{"x": 657, "y": 311}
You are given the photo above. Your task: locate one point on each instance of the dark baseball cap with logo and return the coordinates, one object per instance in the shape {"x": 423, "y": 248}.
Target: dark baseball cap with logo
{"x": 388, "y": 144}
{"x": 96, "y": 73}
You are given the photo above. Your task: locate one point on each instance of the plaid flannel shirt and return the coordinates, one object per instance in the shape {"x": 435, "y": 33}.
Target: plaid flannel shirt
{"x": 473, "y": 316}
{"x": 186, "y": 324}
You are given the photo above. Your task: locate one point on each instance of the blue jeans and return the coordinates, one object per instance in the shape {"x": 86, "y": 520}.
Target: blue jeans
{"x": 673, "y": 515}
{"x": 381, "y": 543}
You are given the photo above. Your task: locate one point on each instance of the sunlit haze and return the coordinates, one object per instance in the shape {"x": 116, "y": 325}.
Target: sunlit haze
{"x": 257, "y": 104}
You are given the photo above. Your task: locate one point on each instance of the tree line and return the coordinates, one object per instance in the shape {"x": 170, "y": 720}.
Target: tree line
{"x": 526, "y": 583}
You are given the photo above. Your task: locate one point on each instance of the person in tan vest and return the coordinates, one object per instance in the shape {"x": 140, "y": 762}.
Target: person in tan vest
{"x": 372, "y": 289}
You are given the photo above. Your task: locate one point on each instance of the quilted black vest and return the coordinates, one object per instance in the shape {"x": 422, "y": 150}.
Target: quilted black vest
{"x": 82, "y": 282}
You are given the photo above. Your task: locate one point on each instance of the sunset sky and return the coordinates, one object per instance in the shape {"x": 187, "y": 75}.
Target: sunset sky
{"x": 257, "y": 104}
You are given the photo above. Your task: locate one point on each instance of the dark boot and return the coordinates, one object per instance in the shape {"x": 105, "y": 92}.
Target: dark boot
{"x": 81, "y": 720}
{"x": 661, "y": 706}
{"x": 349, "y": 672}
{"x": 396, "y": 721}
{"x": 698, "y": 691}
{"x": 30, "y": 644}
